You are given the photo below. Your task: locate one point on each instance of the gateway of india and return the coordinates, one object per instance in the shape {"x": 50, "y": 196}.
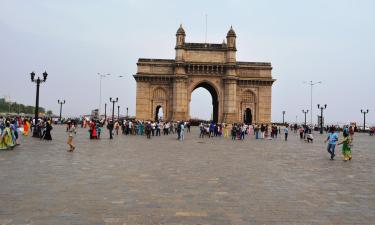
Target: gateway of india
{"x": 241, "y": 91}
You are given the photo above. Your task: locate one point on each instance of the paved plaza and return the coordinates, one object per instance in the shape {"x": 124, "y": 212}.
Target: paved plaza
{"x": 132, "y": 180}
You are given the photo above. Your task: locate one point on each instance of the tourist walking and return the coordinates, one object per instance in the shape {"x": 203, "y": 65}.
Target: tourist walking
{"x": 148, "y": 130}
{"x": 98, "y": 128}
{"x": 351, "y": 132}
{"x": 301, "y": 133}
{"x": 6, "y": 138}
{"x": 26, "y": 128}
{"x": 262, "y": 128}
{"x": 182, "y": 129}
{"x": 233, "y": 132}
{"x": 346, "y": 150}
{"x": 332, "y": 140}
{"x": 286, "y": 132}
{"x": 71, "y": 132}
{"x": 256, "y": 131}
{"x": 48, "y": 128}
{"x": 92, "y": 130}
{"x": 110, "y": 127}
{"x": 117, "y": 127}
{"x": 14, "y": 129}
{"x": 158, "y": 125}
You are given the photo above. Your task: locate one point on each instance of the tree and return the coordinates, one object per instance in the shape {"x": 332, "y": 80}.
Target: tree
{"x": 49, "y": 113}
{"x": 14, "y": 107}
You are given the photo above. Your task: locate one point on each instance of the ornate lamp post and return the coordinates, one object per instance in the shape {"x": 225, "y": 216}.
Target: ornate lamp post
{"x": 37, "y": 81}
{"x": 321, "y": 116}
{"x": 364, "y": 112}
{"x": 113, "y": 100}
{"x": 118, "y": 112}
{"x": 61, "y": 103}
{"x": 283, "y": 117}
{"x": 127, "y": 115}
{"x": 305, "y": 112}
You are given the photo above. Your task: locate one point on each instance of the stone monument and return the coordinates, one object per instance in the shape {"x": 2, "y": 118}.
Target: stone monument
{"x": 241, "y": 91}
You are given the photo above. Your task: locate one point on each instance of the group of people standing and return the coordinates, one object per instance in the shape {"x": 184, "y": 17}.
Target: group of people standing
{"x": 238, "y": 131}
{"x": 12, "y": 127}
{"x": 133, "y": 127}
{"x": 8, "y": 133}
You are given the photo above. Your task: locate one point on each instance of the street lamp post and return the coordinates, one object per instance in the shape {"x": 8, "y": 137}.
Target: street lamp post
{"x": 105, "y": 112}
{"x": 118, "y": 112}
{"x": 311, "y": 83}
{"x": 127, "y": 115}
{"x": 364, "y": 112}
{"x": 100, "y": 89}
{"x": 113, "y": 100}
{"x": 321, "y": 116}
{"x": 61, "y": 103}
{"x": 283, "y": 117}
{"x": 305, "y": 112}
{"x": 37, "y": 81}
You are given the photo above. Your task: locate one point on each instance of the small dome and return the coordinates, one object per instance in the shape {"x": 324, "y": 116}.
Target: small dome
{"x": 231, "y": 32}
{"x": 180, "y": 31}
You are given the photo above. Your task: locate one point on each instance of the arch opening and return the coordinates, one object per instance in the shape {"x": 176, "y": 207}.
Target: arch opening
{"x": 159, "y": 113}
{"x": 215, "y": 101}
{"x": 248, "y": 116}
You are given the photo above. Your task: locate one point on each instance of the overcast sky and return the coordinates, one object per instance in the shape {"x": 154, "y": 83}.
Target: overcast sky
{"x": 319, "y": 40}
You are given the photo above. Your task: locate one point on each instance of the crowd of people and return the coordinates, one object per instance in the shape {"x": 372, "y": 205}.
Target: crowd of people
{"x": 12, "y": 127}
{"x": 134, "y": 127}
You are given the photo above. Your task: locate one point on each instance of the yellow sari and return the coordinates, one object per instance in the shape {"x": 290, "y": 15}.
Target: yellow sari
{"x": 6, "y": 139}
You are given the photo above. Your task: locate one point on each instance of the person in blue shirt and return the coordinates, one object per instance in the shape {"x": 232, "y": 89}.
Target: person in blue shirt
{"x": 14, "y": 129}
{"x": 286, "y": 132}
{"x": 332, "y": 139}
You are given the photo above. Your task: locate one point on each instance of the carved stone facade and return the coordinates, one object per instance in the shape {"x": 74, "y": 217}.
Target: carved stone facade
{"x": 241, "y": 91}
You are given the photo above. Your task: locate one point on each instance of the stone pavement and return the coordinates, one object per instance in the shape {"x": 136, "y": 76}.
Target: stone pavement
{"x": 132, "y": 180}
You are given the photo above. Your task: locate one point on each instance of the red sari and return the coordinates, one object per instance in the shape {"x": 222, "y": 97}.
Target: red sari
{"x": 93, "y": 130}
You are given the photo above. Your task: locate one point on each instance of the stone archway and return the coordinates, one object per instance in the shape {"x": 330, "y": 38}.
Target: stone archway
{"x": 168, "y": 83}
{"x": 248, "y": 117}
{"x": 248, "y": 106}
{"x": 214, "y": 95}
{"x": 158, "y": 111}
{"x": 159, "y": 101}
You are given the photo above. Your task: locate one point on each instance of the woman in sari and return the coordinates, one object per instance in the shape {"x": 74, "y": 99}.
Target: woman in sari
{"x": 6, "y": 138}
{"x": 26, "y": 128}
{"x": 94, "y": 134}
{"x": 47, "y": 135}
{"x": 346, "y": 147}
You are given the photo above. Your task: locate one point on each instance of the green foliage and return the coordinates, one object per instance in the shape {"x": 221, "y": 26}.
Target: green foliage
{"x": 13, "y": 107}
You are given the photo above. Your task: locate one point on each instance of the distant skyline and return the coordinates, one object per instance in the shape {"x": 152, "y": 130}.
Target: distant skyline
{"x": 328, "y": 41}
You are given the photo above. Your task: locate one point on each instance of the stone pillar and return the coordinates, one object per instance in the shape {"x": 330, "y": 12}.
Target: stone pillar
{"x": 230, "y": 94}
{"x": 143, "y": 103}
{"x": 264, "y": 105}
{"x": 180, "y": 100}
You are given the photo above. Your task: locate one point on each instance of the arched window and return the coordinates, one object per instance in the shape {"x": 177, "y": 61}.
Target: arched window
{"x": 159, "y": 94}
{"x": 248, "y": 96}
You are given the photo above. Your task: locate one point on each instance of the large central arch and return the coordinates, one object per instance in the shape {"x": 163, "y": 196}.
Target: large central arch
{"x": 240, "y": 91}
{"x": 215, "y": 98}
